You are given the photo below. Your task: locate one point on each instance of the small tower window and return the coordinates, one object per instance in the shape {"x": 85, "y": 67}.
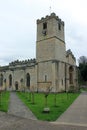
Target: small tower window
{"x": 62, "y": 81}
{"x": 45, "y": 25}
{"x": 59, "y": 26}
{"x": 45, "y": 78}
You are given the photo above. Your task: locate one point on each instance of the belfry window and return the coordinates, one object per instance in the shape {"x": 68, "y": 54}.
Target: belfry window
{"x": 59, "y": 26}
{"x": 45, "y": 25}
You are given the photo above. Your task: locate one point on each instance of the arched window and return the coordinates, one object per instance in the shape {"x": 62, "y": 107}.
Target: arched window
{"x": 71, "y": 75}
{"x": 1, "y": 80}
{"x": 10, "y": 80}
{"x": 28, "y": 80}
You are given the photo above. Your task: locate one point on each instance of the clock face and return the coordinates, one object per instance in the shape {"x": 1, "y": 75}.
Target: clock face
{"x": 44, "y": 32}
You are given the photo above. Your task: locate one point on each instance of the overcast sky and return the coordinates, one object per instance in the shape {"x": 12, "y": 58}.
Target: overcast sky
{"x": 18, "y": 26}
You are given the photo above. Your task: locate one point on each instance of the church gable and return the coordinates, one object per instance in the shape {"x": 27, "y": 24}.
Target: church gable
{"x": 70, "y": 57}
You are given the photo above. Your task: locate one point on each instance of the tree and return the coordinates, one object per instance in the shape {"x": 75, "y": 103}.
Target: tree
{"x": 83, "y": 69}
{"x": 82, "y": 60}
{"x": 46, "y": 93}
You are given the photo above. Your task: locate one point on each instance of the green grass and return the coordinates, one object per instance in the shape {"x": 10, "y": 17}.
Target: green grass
{"x": 4, "y": 101}
{"x": 62, "y": 103}
{"x": 83, "y": 89}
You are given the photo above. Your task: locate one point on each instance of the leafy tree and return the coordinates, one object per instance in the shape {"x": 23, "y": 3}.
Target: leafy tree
{"x": 82, "y": 60}
{"x": 83, "y": 68}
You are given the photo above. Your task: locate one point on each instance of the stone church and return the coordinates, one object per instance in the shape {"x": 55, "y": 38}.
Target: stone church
{"x": 54, "y": 68}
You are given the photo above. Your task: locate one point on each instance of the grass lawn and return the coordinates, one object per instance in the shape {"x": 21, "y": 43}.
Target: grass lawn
{"x": 4, "y": 101}
{"x": 62, "y": 103}
{"x": 83, "y": 89}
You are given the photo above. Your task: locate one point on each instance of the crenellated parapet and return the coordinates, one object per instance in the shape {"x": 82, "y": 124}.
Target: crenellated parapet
{"x": 69, "y": 52}
{"x": 18, "y": 62}
{"x": 52, "y": 15}
{"x": 4, "y": 68}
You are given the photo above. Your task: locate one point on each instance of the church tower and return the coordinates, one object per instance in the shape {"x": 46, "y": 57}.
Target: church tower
{"x": 50, "y": 53}
{"x": 50, "y": 39}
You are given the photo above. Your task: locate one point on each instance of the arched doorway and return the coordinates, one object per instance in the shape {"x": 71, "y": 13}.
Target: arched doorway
{"x": 16, "y": 85}
{"x": 10, "y": 80}
{"x": 28, "y": 80}
{"x": 71, "y": 75}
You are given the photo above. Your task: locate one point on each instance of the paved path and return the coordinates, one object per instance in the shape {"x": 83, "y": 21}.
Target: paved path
{"x": 76, "y": 114}
{"x": 17, "y": 107}
{"x": 11, "y": 122}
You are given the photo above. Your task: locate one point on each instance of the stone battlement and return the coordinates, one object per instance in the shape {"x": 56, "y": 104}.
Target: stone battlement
{"x": 52, "y": 15}
{"x": 70, "y": 52}
{"x": 17, "y": 62}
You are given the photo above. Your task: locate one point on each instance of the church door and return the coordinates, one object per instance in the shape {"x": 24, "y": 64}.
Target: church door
{"x": 16, "y": 85}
